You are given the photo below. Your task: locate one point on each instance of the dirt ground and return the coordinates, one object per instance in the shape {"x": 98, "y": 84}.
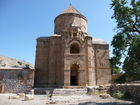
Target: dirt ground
{"x": 64, "y": 100}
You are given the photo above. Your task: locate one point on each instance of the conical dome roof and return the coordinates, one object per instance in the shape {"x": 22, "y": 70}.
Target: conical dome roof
{"x": 70, "y": 19}
{"x": 71, "y": 10}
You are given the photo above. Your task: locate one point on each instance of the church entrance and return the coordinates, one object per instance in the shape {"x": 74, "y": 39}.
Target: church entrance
{"x": 74, "y": 75}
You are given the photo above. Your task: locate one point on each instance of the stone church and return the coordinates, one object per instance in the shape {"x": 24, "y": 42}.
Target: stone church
{"x": 70, "y": 57}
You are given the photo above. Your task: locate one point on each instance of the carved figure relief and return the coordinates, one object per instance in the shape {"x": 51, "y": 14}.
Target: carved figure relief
{"x": 91, "y": 58}
{"x": 75, "y": 60}
{"x": 102, "y": 58}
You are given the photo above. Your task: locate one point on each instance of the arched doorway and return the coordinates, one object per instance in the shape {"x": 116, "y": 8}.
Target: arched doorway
{"x": 74, "y": 75}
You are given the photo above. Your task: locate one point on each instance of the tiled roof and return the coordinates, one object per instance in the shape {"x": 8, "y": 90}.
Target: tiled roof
{"x": 71, "y": 9}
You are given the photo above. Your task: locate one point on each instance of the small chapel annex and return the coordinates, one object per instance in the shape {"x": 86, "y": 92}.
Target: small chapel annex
{"x": 70, "y": 57}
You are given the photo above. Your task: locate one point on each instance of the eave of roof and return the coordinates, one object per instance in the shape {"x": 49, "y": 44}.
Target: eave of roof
{"x": 71, "y": 10}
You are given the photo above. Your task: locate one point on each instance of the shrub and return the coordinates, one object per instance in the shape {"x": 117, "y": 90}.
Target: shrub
{"x": 27, "y": 66}
{"x": 20, "y": 63}
{"x": 127, "y": 96}
{"x": 118, "y": 94}
{"x": 122, "y": 95}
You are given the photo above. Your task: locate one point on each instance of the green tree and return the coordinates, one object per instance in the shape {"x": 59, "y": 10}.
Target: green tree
{"x": 126, "y": 43}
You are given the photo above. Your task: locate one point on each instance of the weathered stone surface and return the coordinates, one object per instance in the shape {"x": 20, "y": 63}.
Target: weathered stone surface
{"x": 103, "y": 72}
{"x": 68, "y": 91}
{"x": 132, "y": 89}
{"x": 16, "y": 80}
{"x": 65, "y": 100}
{"x": 61, "y": 91}
{"x": 70, "y": 57}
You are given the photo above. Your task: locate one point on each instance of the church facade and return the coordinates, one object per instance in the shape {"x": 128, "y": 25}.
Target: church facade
{"x": 70, "y": 57}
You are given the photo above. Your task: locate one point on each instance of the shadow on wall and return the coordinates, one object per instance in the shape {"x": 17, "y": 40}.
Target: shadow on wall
{"x": 108, "y": 103}
{"x": 1, "y": 87}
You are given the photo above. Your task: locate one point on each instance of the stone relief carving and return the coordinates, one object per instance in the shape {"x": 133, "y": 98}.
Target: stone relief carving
{"x": 74, "y": 41}
{"x": 75, "y": 60}
{"x": 91, "y": 59}
{"x": 102, "y": 58}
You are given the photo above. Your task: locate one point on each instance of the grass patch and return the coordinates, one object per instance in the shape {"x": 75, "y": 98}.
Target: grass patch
{"x": 122, "y": 95}
{"x": 98, "y": 92}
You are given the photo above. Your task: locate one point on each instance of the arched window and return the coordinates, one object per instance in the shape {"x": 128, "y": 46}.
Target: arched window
{"x": 74, "y": 48}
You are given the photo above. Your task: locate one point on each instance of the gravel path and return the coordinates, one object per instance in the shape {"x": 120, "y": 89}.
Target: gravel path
{"x": 64, "y": 100}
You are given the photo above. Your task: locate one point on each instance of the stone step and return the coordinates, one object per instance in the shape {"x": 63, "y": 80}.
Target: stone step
{"x": 69, "y": 91}
{"x": 74, "y": 87}
{"x": 61, "y": 91}
{"x": 40, "y": 90}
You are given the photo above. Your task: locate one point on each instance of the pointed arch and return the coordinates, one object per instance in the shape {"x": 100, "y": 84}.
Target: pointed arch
{"x": 74, "y": 48}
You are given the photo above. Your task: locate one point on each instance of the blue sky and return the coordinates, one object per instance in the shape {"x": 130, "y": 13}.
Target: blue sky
{"x": 22, "y": 21}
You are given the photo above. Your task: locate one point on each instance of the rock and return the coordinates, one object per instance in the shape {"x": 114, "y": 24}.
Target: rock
{"x": 104, "y": 96}
{"x": 29, "y": 96}
{"x": 21, "y": 94}
{"x": 14, "y": 96}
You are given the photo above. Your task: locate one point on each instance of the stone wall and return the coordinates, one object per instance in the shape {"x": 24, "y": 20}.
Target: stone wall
{"x": 55, "y": 62}
{"x": 49, "y": 62}
{"x": 65, "y": 22}
{"x": 132, "y": 89}
{"x": 102, "y": 65}
{"x": 42, "y": 62}
{"x": 16, "y": 80}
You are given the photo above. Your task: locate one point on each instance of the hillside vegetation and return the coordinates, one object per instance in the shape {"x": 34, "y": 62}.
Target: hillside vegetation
{"x": 7, "y": 62}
